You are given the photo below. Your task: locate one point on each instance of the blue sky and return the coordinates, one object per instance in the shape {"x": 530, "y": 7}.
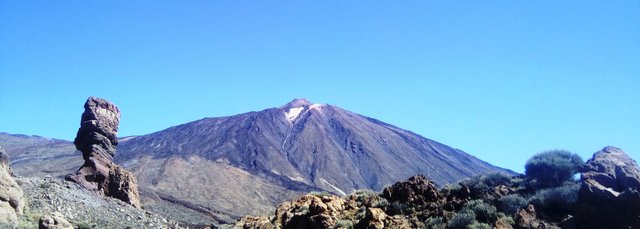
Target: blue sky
{"x": 501, "y": 80}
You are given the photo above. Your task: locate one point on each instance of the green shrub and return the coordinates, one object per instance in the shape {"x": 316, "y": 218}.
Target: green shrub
{"x": 484, "y": 212}
{"x": 476, "y": 186}
{"x": 507, "y": 219}
{"x": 478, "y": 225}
{"x": 45, "y": 185}
{"x": 398, "y": 208}
{"x": 461, "y": 219}
{"x": 362, "y": 194}
{"x": 435, "y": 223}
{"x": 362, "y": 212}
{"x": 83, "y": 225}
{"x": 509, "y": 204}
{"x": 495, "y": 179}
{"x": 304, "y": 209}
{"x": 556, "y": 202}
{"x": 479, "y": 185}
{"x": 552, "y": 168}
{"x": 381, "y": 203}
{"x": 320, "y": 194}
{"x": 343, "y": 223}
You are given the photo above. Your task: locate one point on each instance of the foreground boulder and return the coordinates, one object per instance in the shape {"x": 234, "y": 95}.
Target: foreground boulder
{"x": 610, "y": 191}
{"x": 97, "y": 140}
{"x": 11, "y": 201}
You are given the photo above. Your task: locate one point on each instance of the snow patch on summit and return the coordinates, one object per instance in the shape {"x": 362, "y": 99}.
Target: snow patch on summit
{"x": 293, "y": 113}
{"x": 315, "y": 106}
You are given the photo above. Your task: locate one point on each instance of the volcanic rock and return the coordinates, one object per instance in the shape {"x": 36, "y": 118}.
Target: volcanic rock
{"x": 123, "y": 185}
{"x": 610, "y": 192}
{"x": 416, "y": 190}
{"x": 609, "y": 173}
{"x": 527, "y": 218}
{"x": 97, "y": 140}
{"x": 11, "y": 201}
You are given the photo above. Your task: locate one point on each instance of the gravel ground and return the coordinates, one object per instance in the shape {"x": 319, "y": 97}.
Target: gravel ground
{"x": 84, "y": 209}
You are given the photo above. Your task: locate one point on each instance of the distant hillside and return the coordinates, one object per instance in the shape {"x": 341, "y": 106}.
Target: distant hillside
{"x": 37, "y": 156}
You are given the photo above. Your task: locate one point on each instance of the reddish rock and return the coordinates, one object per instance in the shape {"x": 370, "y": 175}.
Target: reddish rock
{"x": 417, "y": 190}
{"x": 97, "y": 140}
{"x": 610, "y": 192}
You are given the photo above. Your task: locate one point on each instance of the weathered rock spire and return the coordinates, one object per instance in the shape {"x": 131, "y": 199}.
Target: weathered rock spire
{"x": 97, "y": 140}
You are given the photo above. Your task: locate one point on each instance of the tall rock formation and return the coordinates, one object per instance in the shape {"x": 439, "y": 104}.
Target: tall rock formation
{"x": 610, "y": 193}
{"x": 11, "y": 203}
{"x": 97, "y": 140}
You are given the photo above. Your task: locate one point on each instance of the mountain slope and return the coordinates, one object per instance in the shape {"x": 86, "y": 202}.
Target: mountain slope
{"x": 38, "y": 156}
{"x": 218, "y": 169}
{"x": 304, "y": 144}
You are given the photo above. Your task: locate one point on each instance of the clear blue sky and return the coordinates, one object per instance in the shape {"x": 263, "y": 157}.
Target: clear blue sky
{"x": 501, "y": 80}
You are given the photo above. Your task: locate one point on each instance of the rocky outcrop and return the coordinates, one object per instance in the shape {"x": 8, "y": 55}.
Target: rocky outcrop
{"x": 310, "y": 211}
{"x": 123, "y": 185}
{"x": 527, "y": 218}
{"x": 54, "y": 220}
{"x": 11, "y": 201}
{"x": 417, "y": 190}
{"x": 328, "y": 211}
{"x": 97, "y": 140}
{"x": 610, "y": 191}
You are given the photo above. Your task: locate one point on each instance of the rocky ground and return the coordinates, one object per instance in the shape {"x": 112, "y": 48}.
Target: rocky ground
{"x": 607, "y": 196}
{"x": 82, "y": 208}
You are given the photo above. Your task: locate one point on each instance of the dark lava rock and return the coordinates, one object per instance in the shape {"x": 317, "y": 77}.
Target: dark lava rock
{"x": 417, "y": 190}
{"x": 97, "y": 139}
{"x": 610, "y": 193}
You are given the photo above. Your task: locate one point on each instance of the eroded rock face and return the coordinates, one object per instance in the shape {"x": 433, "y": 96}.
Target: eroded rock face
{"x": 610, "y": 172}
{"x": 123, "y": 185}
{"x": 416, "y": 190}
{"x": 11, "y": 201}
{"x": 97, "y": 140}
{"x": 610, "y": 192}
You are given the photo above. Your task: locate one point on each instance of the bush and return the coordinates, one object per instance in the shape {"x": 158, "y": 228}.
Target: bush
{"x": 462, "y": 219}
{"x": 552, "y": 168}
{"x": 83, "y": 225}
{"x": 495, "y": 179}
{"x": 344, "y": 223}
{"x": 320, "y": 194}
{"x": 478, "y": 225}
{"x": 507, "y": 219}
{"x": 435, "y": 223}
{"x": 484, "y": 212}
{"x": 361, "y": 213}
{"x": 478, "y": 185}
{"x": 381, "y": 203}
{"x": 509, "y": 204}
{"x": 398, "y": 208}
{"x": 557, "y": 202}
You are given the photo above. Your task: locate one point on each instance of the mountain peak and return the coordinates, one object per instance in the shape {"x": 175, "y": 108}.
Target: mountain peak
{"x": 298, "y": 102}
